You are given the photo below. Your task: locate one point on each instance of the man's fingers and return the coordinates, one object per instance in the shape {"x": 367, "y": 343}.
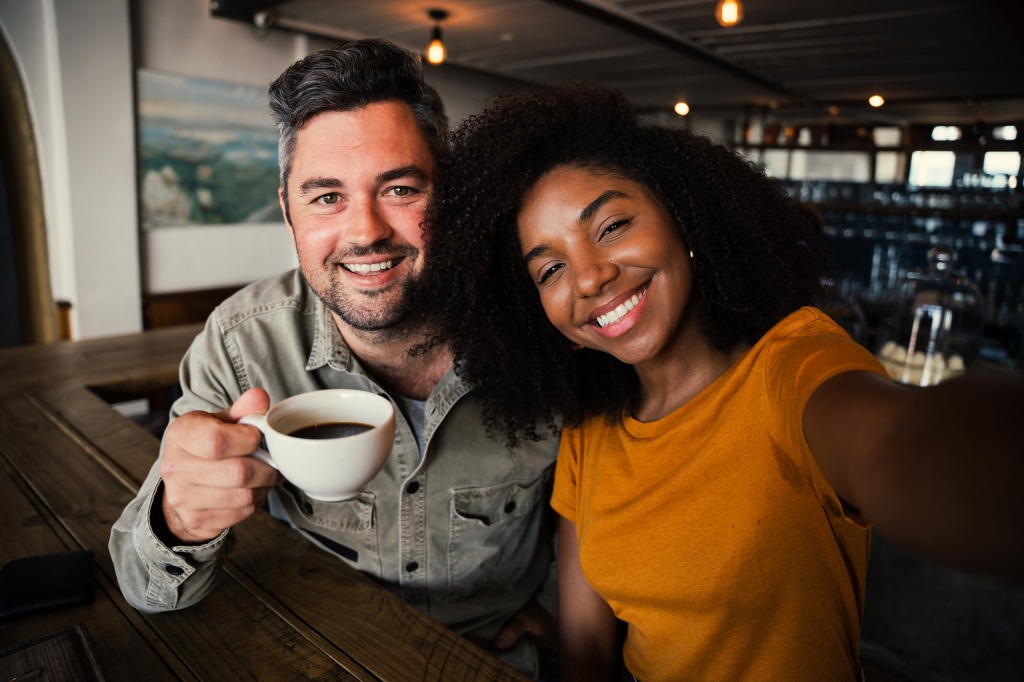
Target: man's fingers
{"x": 517, "y": 628}
{"x": 205, "y": 436}
{"x": 253, "y": 401}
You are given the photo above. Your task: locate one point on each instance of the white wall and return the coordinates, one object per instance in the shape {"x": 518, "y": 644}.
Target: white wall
{"x": 75, "y": 60}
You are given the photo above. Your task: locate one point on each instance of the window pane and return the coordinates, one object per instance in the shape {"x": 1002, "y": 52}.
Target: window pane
{"x": 932, "y": 169}
{"x": 888, "y": 136}
{"x": 945, "y": 133}
{"x": 1001, "y": 163}
{"x": 776, "y": 162}
{"x": 890, "y": 166}
{"x": 823, "y": 165}
{"x": 1005, "y": 132}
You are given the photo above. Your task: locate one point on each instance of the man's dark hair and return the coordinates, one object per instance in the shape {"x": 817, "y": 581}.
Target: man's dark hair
{"x": 755, "y": 256}
{"x": 351, "y": 76}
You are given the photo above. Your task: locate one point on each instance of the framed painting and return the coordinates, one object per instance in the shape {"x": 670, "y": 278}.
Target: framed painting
{"x": 207, "y": 152}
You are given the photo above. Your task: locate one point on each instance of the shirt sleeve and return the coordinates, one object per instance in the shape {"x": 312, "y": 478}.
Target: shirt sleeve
{"x": 804, "y": 359}
{"x": 152, "y": 576}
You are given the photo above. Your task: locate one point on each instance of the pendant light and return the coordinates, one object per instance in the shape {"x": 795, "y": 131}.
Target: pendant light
{"x": 729, "y": 12}
{"x": 436, "y": 51}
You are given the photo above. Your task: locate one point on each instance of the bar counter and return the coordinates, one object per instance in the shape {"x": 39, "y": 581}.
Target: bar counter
{"x": 282, "y": 609}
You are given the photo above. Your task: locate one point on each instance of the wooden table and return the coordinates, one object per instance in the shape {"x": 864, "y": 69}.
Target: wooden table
{"x": 282, "y": 609}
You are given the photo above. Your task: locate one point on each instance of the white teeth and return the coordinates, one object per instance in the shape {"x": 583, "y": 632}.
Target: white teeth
{"x": 363, "y": 268}
{"x": 620, "y": 311}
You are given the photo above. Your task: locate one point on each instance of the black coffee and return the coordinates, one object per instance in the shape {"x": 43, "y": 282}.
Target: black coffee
{"x": 330, "y": 430}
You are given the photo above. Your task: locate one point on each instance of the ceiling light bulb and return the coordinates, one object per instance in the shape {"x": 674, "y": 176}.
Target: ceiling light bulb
{"x": 681, "y": 108}
{"x": 729, "y": 12}
{"x": 876, "y": 101}
{"x": 436, "y": 52}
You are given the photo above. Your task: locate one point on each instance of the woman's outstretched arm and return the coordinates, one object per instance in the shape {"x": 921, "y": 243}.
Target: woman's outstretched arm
{"x": 939, "y": 470}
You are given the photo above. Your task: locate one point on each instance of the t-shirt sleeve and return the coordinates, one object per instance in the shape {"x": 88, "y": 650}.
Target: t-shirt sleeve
{"x": 565, "y": 494}
{"x": 803, "y": 360}
{"x": 799, "y": 363}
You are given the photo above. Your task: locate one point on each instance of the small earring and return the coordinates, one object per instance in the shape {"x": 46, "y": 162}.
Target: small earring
{"x": 691, "y": 254}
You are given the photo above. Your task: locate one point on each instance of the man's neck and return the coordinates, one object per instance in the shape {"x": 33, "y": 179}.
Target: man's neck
{"x": 385, "y": 355}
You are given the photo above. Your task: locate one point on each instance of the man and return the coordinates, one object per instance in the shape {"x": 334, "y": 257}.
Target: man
{"x": 455, "y": 523}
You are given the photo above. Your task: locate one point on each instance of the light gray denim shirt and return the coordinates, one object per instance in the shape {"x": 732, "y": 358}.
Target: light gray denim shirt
{"x": 463, "y": 533}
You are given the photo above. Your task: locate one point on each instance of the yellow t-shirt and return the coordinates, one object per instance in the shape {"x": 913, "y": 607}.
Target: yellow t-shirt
{"x": 711, "y": 531}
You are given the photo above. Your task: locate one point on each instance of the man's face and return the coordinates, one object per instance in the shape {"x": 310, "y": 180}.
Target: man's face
{"x": 359, "y": 184}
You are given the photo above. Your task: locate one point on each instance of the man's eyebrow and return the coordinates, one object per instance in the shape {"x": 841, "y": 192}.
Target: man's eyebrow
{"x": 319, "y": 183}
{"x": 592, "y": 208}
{"x": 412, "y": 172}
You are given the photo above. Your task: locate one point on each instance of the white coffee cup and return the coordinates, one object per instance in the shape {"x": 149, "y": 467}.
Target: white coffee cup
{"x": 324, "y": 462}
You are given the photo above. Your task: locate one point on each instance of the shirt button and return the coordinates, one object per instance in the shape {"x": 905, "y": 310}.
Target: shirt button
{"x": 411, "y": 566}
{"x": 412, "y": 487}
{"x": 173, "y": 570}
{"x": 510, "y": 506}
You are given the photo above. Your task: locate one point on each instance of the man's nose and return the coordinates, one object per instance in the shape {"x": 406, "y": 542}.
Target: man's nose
{"x": 366, "y": 224}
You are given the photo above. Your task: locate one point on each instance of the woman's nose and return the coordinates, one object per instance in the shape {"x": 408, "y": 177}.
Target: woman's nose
{"x": 592, "y": 275}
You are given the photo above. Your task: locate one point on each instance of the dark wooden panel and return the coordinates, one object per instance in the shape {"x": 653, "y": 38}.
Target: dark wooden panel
{"x": 181, "y": 307}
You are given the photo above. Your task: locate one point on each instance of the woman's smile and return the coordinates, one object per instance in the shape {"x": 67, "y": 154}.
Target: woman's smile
{"x": 620, "y": 318}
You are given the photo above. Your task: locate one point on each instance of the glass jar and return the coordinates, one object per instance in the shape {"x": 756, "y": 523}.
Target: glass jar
{"x": 935, "y": 325}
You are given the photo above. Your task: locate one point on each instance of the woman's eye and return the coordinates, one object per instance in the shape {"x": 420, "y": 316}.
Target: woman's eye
{"x": 547, "y": 272}
{"x": 615, "y": 226}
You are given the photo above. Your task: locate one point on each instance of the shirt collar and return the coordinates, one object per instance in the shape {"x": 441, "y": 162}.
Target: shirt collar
{"x": 328, "y": 346}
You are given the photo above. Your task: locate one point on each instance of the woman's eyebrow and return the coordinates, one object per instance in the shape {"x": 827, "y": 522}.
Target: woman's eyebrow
{"x": 535, "y": 252}
{"x": 592, "y": 208}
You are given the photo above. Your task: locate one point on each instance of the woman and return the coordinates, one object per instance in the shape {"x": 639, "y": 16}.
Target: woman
{"x": 726, "y": 446}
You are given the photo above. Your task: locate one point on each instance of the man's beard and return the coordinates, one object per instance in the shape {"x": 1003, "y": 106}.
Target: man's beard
{"x": 359, "y": 312}
{"x": 400, "y": 305}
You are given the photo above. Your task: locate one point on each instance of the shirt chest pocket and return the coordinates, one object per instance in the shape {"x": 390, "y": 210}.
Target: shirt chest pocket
{"x": 494, "y": 534}
{"x": 347, "y": 528}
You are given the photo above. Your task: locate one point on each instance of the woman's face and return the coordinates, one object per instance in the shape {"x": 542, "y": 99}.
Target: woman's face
{"x": 609, "y": 263}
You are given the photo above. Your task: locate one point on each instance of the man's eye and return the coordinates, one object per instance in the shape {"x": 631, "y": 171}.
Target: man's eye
{"x": 329, "y": 199}
{"x": 401, "y": 191}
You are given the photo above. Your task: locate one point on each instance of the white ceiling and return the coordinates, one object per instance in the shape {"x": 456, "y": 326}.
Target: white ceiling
{"x": 955, "y": 61}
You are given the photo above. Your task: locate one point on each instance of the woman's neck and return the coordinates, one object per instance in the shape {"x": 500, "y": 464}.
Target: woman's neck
{"x": 670, "y": 383}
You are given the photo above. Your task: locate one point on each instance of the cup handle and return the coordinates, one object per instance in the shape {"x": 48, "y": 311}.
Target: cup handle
{"x": 260, "y": 422}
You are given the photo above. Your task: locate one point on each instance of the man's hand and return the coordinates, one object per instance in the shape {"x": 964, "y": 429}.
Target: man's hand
{"x": 532, "y": 622}
{"x": 210, "y": 481}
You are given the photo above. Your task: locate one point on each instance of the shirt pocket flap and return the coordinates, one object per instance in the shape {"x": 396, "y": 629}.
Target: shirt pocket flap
{"x": 497, "y": 503}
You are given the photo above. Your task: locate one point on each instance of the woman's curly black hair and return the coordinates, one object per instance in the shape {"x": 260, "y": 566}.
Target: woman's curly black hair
{"x": 756, "y": 257}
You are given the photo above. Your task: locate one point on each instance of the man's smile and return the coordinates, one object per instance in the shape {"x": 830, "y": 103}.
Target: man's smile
{"x": 366, "y": 268}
